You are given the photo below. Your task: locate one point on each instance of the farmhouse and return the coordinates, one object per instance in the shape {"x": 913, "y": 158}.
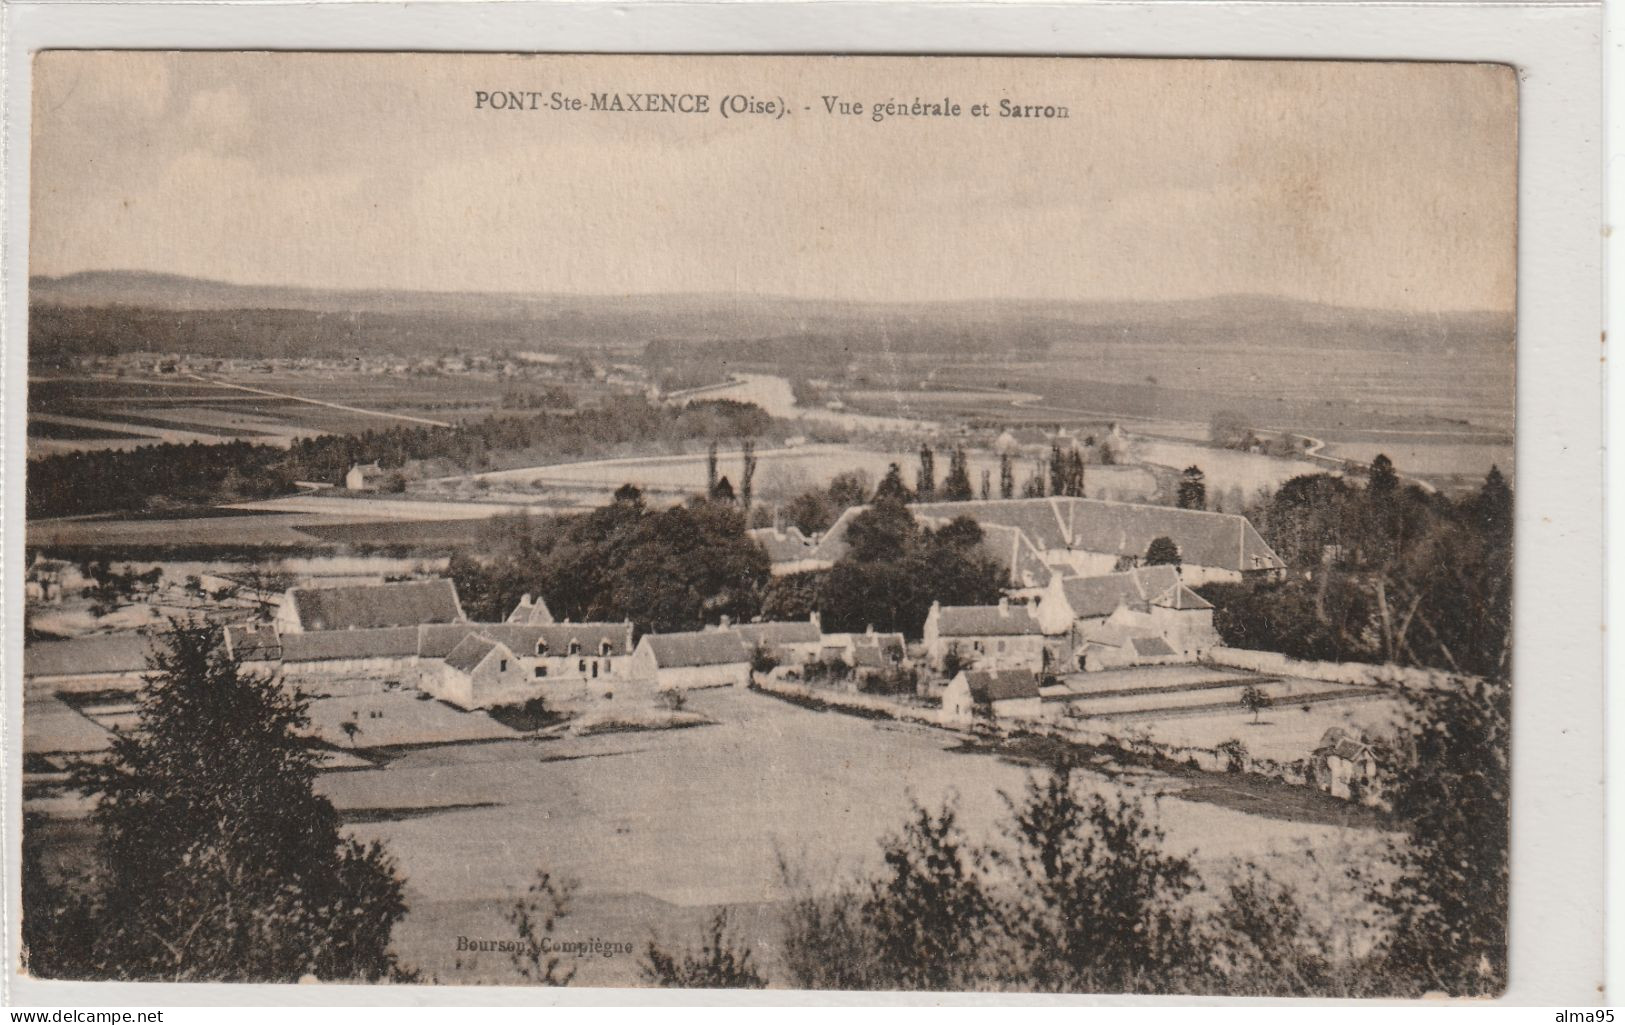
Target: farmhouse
{"x": 998, "y": 636}
{"x": 690, "y": 661}
{"x": 1091, "y": 536}
{"x": 369, "y": 606}
{"x": 530, "y": 612}
{"x": 792, "y": 643}
{"x": 351, "y": 662}
{"x": 478, "y": 673}
{"x": 996, "y": 694}
{"x": 1148, "y": 602}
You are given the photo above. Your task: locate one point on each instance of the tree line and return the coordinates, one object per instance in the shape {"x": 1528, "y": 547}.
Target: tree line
{"x": 1380, "y": 572}
{"x": 81, "y": 483}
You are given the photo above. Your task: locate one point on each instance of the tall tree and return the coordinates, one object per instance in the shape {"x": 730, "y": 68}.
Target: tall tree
{"x": 926, "y": 487}
{"x": 957, "y": 486}
{"x": 747, "y": 474}
{"x": 219, "y": 860}
{"x": 987, "y": 484}
{"x": 711, "y": 467}
{"x": 1193, "y": 488}
{"x": 1007, "y": 476}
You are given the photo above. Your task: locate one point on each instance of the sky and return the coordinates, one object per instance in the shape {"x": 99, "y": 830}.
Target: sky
{"x": 1389, "y": 186}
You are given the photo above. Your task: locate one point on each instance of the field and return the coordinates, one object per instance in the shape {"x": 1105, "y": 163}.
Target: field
{"x": 659, "y": 827}
{"x": 781, "y": 474}
{"x": 1196, "y": 706}
{"x": 89, "y": 412}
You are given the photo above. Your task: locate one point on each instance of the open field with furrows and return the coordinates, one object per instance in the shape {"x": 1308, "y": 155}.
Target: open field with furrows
{"x": 89, "y": 412}
{"x": 333, "y": 526}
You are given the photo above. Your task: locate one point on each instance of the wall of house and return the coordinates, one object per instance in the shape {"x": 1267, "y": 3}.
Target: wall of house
{"x": 499, "y": 680}
{"x": 733, "y": 674}
{"x": 1022, "y": 651}
{"x": 1357, "y": 674}
{"x": 351, "y": 676}
{"x": 1019, "y": 708}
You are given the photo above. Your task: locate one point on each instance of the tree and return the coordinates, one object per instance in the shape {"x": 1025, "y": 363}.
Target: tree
{"x": 747, "y": 474}
{"x": 1162, "y": 551}
{"x": 1381, "y": 480}
{"x": 929, "y": 909}
{"x": 218, "y": 859}
{"x": 1007, "y": 476}
{"x": 1447, "y": 776}
{"x": 987, "y": 484}
{"x": 711, "y": 467}
{"x": 351, "y": 729}
{"x": 721, "y": 963}
{"x": 849, "y": 489}
{"x": 1254, "y": 700}
{"x": 1193, "y": 489}
{"x": 926, "y": 487}
{"x": 722, "y": 491}
{"x": 957, "y": 486}
{"x": 535, "y": 918}
{"x": 892, "y": 486}
{"x": 1493, "y": 508}
{"x": 1100, "y": 906}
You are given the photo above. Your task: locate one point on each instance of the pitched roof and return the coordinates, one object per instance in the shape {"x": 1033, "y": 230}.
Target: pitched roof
{"x": 985, "y": 621}
{"x": 787, "y": 545}
{"x": 253, "y": 642}
{"x": 437, "y": 641}
{"x": 1090, "y": 597}
{"x": 371, "y": 606}
{"x": 798, "y": 631}
{"x": 1340, "y": 743}
{"x": 697, "y": 648}
{"x": 330, "y": 645}
{"x": 471, "y": 651}
{"x": 1219, "y": 540}
{"x": 115, "y": 653}
{"x": 877, "y": 651}
{"x": 1001, "y": 684}
{"x": 1150, "y": 647}
{"x": 531, "y": 612}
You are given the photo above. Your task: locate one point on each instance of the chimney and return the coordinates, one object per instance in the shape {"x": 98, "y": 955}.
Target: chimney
{"x": 1004, "y": 608}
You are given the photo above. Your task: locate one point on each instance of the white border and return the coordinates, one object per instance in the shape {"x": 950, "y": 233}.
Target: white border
{"x": 1557, "y": 903}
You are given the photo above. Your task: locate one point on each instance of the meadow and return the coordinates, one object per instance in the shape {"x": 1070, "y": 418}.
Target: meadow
{"x": 660, "y": 827}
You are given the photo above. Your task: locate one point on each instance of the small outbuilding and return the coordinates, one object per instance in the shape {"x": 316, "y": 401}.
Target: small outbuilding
{"x": 991, "y": 694}
{"x": 692, "y": 661}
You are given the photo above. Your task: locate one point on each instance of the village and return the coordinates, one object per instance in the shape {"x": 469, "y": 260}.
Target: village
{"x": 1090, "y": 643}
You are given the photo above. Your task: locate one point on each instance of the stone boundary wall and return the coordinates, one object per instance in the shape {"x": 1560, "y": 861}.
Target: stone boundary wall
{"x": 1358, "y": 674}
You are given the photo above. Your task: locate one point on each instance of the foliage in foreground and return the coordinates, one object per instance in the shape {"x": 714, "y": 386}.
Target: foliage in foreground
{"x": 215, "y": 858}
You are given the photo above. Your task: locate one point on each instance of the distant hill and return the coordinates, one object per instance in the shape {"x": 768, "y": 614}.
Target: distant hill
{"x": 92, "y": 310}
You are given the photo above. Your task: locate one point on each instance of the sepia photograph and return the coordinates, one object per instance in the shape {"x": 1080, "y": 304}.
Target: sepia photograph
{"x": 894, "y": 524}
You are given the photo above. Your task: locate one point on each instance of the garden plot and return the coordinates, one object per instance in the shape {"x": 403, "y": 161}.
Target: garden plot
{"x": 1204, "y": 697}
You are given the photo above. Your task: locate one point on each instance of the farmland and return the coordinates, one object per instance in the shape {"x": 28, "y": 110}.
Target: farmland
{"x": 79, "y": 412}
{"x": 660, "y": 827}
